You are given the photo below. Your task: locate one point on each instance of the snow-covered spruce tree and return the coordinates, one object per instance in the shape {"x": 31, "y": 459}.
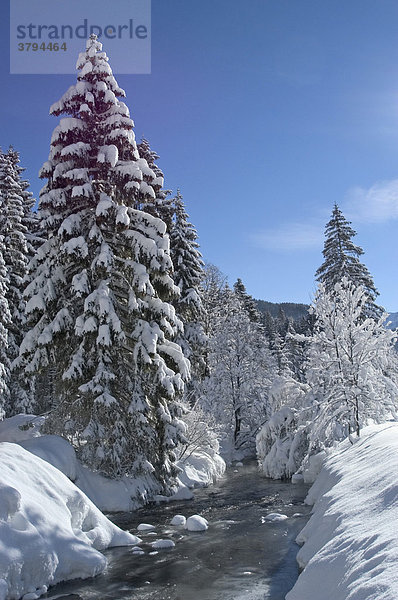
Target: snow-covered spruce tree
{"x": 352, "y": 366}
{"x": 248, "y": 301}
{"x": 341, "y": 259}
{"x": 161, "y": 205}
{"x": 30, "y": 218}
{"x": 99, "y": 304}
{"x": 5, "y": 318}
{"x": 15, "y": 204}
{"x": 188, "y": 275}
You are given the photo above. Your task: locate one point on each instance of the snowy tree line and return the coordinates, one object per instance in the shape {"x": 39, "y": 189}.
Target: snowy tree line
{"x": 346, "y": 370}
{"x": 93, "y": 321}
{"x": 136, "y": 351}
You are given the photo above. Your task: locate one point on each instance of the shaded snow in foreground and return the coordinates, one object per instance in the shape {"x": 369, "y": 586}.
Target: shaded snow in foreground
{"x": 350, "y": 549}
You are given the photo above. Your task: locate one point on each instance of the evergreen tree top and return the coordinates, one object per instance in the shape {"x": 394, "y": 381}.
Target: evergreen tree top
{"x": 160, "y": 206}
{"x": 182, "y": 220}
{"x": 341, "y": 259}
{"x": 150, "y": 155}
{"x": 248, "y": 301}
{"x": 186, "y": 257}
{"x": 94, "y": 143}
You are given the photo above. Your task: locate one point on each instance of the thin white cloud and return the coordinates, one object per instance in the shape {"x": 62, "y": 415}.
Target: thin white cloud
{"x": 290, "y": 236}
{"x": 376, "y": 204}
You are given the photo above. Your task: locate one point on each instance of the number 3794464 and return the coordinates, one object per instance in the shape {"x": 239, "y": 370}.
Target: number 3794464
{"x": 43, "y": 47}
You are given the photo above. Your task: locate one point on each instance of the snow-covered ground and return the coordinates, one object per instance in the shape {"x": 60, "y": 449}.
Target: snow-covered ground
{"x": 51, "y": 528}
{"x": 350, "y": 549}
{"x": 200, "y": 469}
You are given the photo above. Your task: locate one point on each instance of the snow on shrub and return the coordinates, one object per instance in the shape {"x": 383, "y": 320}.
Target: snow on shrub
{"x": 282, "y": 442}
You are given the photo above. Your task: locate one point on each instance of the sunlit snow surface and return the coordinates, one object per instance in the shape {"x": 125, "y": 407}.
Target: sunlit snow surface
{"x": 350, "y": 547}
{"x": 49, "y": 530}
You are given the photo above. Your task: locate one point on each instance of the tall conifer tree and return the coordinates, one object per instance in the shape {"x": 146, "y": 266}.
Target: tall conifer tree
{"x": 342, "y": 260}
{"x": 15, "y": 206}
{"x": 188, "y": 275}
{"x": 99, "y": 304}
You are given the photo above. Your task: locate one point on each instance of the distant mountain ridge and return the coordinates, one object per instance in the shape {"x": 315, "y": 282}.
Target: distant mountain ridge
{"x": 292, "y": 310}
{"x": 297, "y": 311}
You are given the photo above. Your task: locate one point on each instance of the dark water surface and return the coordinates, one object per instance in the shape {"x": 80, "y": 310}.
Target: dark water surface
{"x": 240, "y": 557}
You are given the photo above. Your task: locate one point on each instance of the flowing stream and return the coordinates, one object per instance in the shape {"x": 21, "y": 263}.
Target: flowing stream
{"x": 241, "y": 556}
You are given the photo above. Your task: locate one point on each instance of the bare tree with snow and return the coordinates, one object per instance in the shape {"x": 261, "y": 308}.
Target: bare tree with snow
{"x": 241, "y": 369}
{"x": 352, "y": 365}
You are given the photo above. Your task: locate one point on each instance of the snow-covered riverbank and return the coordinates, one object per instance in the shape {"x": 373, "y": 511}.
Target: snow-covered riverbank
{"x": 350, "y": 549}
{"x": 51, "y": 531}
{"x": 51, "y": 528}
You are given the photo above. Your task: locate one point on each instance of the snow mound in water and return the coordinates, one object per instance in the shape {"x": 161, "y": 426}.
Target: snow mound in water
{"x": 200, "y": 469}
{"x": 161, "y": 544}
{"x": 274, "y": 517}
{"x": 196, "y": 523}
{"x": 49, "y": 530}
{"x": 178, "y": 520}
{"x": 145, "y": 527}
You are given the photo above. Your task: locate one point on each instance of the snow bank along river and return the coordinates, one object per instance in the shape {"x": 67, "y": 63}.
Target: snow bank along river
{"x": 350, "y": 549}
{"x": 244, "y": 554}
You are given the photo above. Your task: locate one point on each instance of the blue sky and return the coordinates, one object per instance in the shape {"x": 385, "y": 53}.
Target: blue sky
{"x": 264, "y": 113}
